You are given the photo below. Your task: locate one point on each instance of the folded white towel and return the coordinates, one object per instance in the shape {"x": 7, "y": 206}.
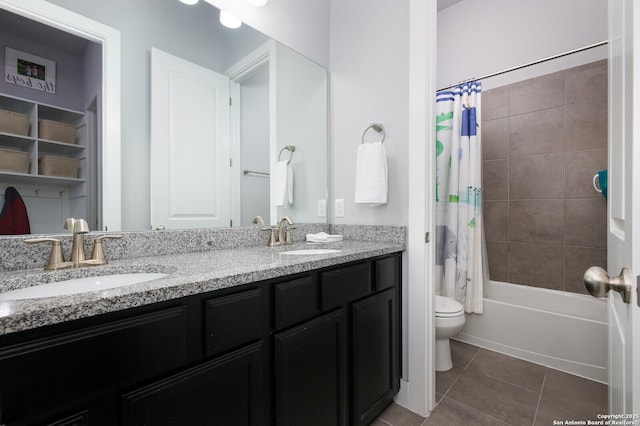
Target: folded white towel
{"x": 323, "y": 237}
{"x": 283, "y": 185}
{"x": 371, "y": 174}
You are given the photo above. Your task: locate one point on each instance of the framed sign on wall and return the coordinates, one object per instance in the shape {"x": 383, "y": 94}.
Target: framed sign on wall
{"x": 27, "y": 70}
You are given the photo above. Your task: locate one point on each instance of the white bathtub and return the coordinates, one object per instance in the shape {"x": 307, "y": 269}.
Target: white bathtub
{"x": 562, "y": 330}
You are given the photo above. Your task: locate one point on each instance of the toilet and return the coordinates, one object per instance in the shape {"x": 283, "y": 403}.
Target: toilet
{"x": 449, "y": 322}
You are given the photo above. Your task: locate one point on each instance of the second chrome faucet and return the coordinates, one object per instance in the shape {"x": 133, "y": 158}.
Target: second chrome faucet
{"x": 283, "y": 237}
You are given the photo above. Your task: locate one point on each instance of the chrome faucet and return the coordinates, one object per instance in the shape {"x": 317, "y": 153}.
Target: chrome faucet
{"x": 79, "y": 227}
{"x": 284, "y": 236}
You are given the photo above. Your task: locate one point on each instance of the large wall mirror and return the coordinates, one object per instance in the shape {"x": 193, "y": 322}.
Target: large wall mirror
{"x": 207, "y": 117}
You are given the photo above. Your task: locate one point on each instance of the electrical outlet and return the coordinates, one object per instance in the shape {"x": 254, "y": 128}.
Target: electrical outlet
{"x": 339, "y": 205}
{"x": 322, "y": 208}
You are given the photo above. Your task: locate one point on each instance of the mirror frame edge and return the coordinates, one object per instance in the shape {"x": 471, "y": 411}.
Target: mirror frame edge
{"x": 71, "y": 22}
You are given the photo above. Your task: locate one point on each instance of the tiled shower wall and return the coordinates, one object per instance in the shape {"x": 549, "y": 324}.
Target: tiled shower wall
{"x": 543, "y": 140}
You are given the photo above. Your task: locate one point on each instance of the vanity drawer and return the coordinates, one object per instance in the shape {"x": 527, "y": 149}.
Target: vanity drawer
{"x": 387, "y": 272}
{"x": 45, "y": 375}
{"x": 295, "y": 301}
{"x": 344, "y": 285}
{"x": 231, "y": 321}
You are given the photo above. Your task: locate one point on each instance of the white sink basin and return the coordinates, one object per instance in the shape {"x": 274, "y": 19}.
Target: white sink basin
{"x": 80, "y": 285}
{"x": 309, "y": 252}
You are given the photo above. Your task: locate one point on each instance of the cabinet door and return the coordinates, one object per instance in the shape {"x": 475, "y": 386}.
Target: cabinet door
{"x": 375, "y": 352}
{"x": 310, "y": 373}
{"x": 229, "y": 390}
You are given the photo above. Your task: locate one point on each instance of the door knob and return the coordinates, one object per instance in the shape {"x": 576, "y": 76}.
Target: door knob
{"x": 598, "y": 283}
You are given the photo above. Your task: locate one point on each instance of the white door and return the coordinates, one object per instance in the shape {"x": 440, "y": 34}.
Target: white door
{"x": 189, "y": 145}
{"x": 623, "y": 198}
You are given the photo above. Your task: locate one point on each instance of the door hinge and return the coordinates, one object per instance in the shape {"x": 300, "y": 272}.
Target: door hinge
{"x": 427, "y": 237}
{"x": 231, "y": 223}
{"x": 229, "y": 101}
{"x": 230, "y": 162}
{"x": 638, "y": 290}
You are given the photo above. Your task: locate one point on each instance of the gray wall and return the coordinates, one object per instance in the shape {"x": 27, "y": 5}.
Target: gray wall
{"x": 543, "y": 140}
{"x": 69, "y": 73}
{"x": 369, "y": 73}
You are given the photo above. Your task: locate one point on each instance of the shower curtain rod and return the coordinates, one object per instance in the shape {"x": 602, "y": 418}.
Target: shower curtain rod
{"x": 539, "y": 61}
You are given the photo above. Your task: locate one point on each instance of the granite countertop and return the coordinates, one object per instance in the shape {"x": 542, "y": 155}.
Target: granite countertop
{"x": 190, "y": 273}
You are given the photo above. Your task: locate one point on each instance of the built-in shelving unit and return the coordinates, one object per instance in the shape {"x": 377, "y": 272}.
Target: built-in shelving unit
{"x": 37, "y": 146}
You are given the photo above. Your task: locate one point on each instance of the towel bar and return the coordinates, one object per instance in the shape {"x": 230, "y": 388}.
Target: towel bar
{"x": 289, "y": 148}
{"x": 377, "y": 127}
{"x": 246, "y": 172}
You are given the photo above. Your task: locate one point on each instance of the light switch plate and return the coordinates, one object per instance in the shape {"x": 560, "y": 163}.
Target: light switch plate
{"x": 322, "y": 208}
{"x": 339, "y": 205}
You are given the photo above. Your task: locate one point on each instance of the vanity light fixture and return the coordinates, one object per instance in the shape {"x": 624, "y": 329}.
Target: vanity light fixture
{"x": 228, "y": 20}
{"x": 189, "y": 2}
{"x": 257, "y": 3}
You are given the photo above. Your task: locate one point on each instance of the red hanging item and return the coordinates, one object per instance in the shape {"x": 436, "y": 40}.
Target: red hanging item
{"x": 14, "y": 219}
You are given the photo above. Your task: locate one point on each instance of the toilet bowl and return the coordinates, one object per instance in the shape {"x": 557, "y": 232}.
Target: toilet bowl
{"x": 449, "y": 322}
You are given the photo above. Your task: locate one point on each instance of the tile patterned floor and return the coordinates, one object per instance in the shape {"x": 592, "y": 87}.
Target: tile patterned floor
{"x": 488, "y": 388}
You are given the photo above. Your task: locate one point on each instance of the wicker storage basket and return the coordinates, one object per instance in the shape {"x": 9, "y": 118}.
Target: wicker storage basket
{"x": 14, "y": 123}
{"x": 53, "y": 165}
{"x": 56, "y": 131}
{"x": 14, "y": 161}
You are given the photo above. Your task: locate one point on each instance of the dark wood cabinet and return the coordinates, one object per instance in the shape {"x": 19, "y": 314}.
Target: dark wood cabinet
{"x": 310, "y": 377}
{"x": 49, "y": 375}
{"x": 295, "y": 301}
{"x": 234, "y": 320}
{"x": 229, "y": 390}
{"x": 310, "y": 358}
{"x": 315, "y": 348}
{"x": 345, "y": 284}
{"x": 375, "y": 352}
{"x": 78, "y": 419}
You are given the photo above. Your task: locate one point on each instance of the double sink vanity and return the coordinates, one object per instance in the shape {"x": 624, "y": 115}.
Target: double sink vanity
{"x": 215, "y": 327}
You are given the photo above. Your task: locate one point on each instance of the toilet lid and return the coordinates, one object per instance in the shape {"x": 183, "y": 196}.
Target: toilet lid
{"x": 446, "y": 306}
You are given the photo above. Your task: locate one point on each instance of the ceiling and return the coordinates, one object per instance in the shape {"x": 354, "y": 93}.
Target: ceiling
{"x": 32, "y": 30}
{"x": 36, "y": 31}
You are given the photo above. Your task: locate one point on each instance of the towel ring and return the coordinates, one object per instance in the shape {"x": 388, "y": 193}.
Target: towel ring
{"x": 289, "y": 148}
{"x": 377, "y": 127}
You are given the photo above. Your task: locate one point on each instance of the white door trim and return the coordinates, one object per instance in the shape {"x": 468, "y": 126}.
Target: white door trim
{"x": 264, "y": 55}
{"x": 417, "y": 392}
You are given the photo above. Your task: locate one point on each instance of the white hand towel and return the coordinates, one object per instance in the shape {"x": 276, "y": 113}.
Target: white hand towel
{"x": 283, "y": 185}
{"x": 371, "y": 174}
{"x": 323, "y": 237}
{"x": 289, "y": 184}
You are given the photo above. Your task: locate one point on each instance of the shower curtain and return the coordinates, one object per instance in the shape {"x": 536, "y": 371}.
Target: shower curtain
{"x": 461, "y": 265}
